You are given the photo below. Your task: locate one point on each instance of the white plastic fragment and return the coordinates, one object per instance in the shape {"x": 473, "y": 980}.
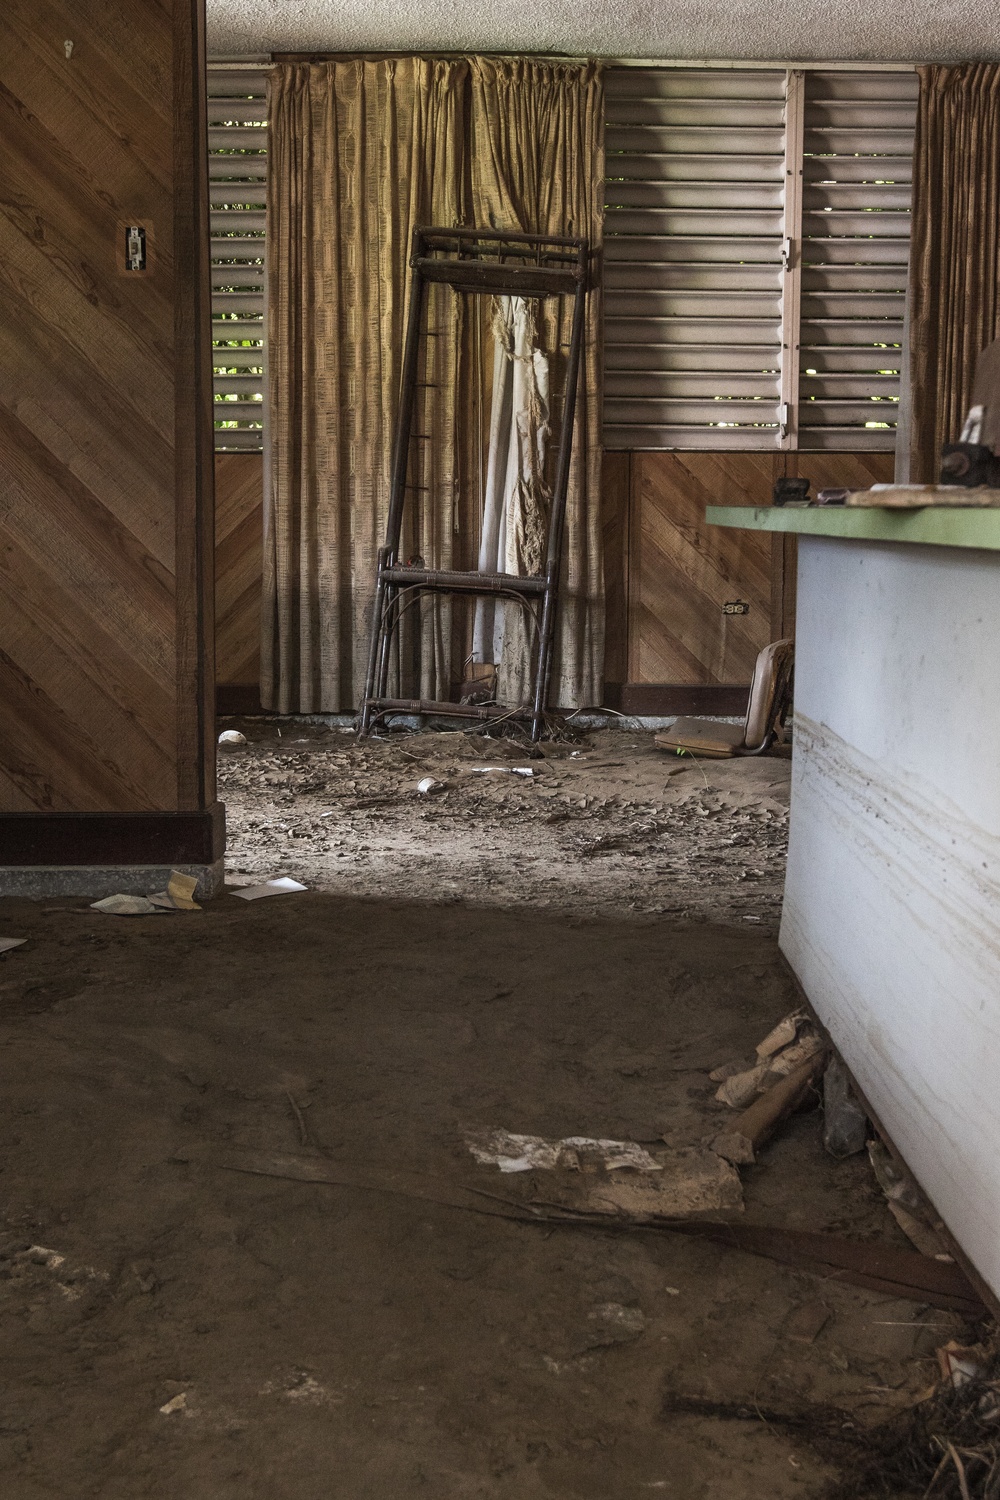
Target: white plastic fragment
{"x": 280, "y": 886}
{"x": 232, "y": 737}
{"x": 176, "y": 1403}
{"x": 7, "y": 943}
{"x": 429, "y": 784}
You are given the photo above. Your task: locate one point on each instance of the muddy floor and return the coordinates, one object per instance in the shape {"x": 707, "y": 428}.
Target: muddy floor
{"x": 605, "y": 824}
{"x": 177, "y": 1330}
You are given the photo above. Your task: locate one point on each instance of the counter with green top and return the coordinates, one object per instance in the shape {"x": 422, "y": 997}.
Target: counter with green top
{"x": 936, "y": 526}
{"x": 891, "y": 914}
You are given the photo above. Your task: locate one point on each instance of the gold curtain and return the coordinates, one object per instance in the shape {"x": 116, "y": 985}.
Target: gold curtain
{"x": 361, "y": 151}
{"x": 537, "y": 165}
{"x": 955, "y": 250}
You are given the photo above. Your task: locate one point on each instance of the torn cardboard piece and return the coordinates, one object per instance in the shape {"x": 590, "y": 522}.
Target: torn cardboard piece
{"x": 691, "y": 1184}
{"x": 179, "y": 894}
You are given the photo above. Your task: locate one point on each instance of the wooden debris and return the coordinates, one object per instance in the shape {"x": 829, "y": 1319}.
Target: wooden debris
{"x": 744, "y": 1138}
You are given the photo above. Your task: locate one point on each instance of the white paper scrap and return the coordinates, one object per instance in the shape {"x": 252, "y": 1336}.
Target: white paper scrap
{"x": 504, "y": 770}
{"x": 277, "y": 887}
{"x": 531, "y": 1153}
{"x": 125, "y": 906}
{"x": 7, "y": 943}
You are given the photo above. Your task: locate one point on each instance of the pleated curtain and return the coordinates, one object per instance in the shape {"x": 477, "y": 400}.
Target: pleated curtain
{"x": 361, "y": 151}
{"x": 954, "y": 296}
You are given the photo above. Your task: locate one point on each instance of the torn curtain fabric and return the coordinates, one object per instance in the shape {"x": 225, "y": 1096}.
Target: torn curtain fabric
{"x": 362, "y": 151}
{"x": 954, "y": 297}
{"x": 517, "y": 495}
{"x": 537, "y": 165}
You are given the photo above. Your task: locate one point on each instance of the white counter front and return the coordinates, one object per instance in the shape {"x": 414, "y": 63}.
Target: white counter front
{"x": 891, "y": 917}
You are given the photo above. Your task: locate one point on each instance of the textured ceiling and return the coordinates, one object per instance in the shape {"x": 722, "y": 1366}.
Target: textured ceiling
{"x": 933, "y": 30}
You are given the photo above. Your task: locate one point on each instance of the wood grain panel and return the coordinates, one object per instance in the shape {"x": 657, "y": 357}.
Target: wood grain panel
{"x": 856, "y": 471}
{"x": 683, "y": 571}
{"x": 615, "y": 492}
{"x": 105, "y": 410}
{"x": 239, "y": 530}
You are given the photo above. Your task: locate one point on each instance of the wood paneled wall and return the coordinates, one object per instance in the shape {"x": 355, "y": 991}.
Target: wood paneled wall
{"x": 671, "y": 646}
{"x": 239, "y": 529}
{"x": 106, "y": 627}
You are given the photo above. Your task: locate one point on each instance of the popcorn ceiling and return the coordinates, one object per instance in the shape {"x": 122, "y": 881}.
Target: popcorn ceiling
{"x": 844, "y": 30}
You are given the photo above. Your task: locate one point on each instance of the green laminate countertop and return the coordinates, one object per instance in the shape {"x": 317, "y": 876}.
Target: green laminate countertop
{"x": 937, "y": 525}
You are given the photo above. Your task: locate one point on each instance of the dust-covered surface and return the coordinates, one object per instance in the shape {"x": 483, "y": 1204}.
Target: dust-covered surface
{"x": 173, "y": 1330}
{"x": 607, "y": 825}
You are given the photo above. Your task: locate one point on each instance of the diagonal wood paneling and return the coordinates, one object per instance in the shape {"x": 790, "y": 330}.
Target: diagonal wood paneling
{"x": 239, "y": 529}
{"x": 683, "y": 571}
{"x": 615, "y": 489}
{"x": 104, "y": 605}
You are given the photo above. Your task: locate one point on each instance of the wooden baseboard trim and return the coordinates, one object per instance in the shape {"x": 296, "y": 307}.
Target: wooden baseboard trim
{"x": 97, "y": 838}
{"x": 238, "y": 700}
{"x": 658, "y": 699}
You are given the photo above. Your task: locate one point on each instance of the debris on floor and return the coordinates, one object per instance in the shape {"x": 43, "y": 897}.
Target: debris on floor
{"x": 232, "y": 737}
{"x": 122, "y": 905}
{"x": 785, "y": 1048}
{"x": 178, "y": 896}
{"x": 603, "y": 828}
{"x": 279, "y": 885}
{"x": 7, "y": 943}
{"x": 907, "y": 1204}
{"x": 845, "y": 1124}
{"x": 740, "y": 1141}
{"x": 271, "y": 1163}
{"x": 691, "y": 1183}
{"x": 806, "y": 1322}
{"x": 962, "y": 1364}
{"x": 529, "y": 1153}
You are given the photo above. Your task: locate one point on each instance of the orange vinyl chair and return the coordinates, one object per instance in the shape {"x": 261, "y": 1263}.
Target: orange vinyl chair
{"x": 770, "y": 696}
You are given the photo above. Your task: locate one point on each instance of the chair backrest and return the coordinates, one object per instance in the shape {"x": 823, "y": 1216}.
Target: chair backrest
{"x": 771, "y": 676}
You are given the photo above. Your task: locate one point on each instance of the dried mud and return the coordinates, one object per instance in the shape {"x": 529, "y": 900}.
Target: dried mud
{"x": 173, "y": 1330}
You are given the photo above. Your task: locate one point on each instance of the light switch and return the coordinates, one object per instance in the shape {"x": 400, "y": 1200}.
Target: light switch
{"x": 135, "y": 248}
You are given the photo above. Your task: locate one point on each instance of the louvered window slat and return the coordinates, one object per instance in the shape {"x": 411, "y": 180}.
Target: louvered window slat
{"x": 695, "y": 223}
{"x": 237, "y": 171}
{"x": 692, "y": 257}
{"x": 855, "y": 250}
